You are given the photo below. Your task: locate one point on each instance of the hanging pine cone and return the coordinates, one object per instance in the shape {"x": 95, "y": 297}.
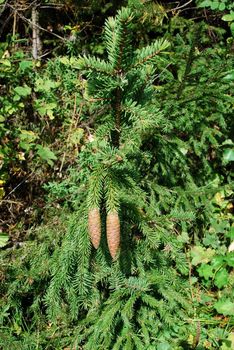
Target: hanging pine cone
{"x": 94, "y": 226}
{"x": 113, "y": 232}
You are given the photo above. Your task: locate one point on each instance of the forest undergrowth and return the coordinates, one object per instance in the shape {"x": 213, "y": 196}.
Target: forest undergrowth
{"x": 116, "y": 180}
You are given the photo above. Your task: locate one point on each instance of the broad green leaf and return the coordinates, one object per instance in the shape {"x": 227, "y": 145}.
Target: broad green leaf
{"x": 229, "y": 17}
{"x": 46, "y": 154}
{"x": 229, "y": 142}
{"x": 5, "y": 62}
{"x": 231, "y": 233}
{"x": 221, "y": 278}
{"x": 232, "y": 28}
{"x": 3, "y": 240}
{"x": 205, "y": 271}
{"x": 206, "y": 298}
{"x": 24, "y": 65}
{"x": 41, "y": 110}
{"x": 46, "y": 108}
{"x": 201, "y": 255}
{"x": 163, "y": 346}
{"x": 228, "y": 155}
{"x": 16, "y": 98}
{"x": 214, "y": 5}
{"x": 229, "y": 77}
{"x": 211, "y": 240}
{"x": 225, "y": 307}
{"x": 27, "y": 134}
{"x": 217, "y": 261}
{"x": 206, "y": 3}
{"x": 23, "y": 90}
{"x": 222, "y": 6}
{"x": 219, "y": 226}
{"x": 51, "y": 105}
{"x": 26, "y": 139}
{"x": 50, "y": 114}
{"x": 230, "y": 259}
{"x": 228, "y": 344}
{"x": 42, "y": 85}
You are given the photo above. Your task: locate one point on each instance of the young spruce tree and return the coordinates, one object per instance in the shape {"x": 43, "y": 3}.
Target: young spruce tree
{"x": 120, "y": 271}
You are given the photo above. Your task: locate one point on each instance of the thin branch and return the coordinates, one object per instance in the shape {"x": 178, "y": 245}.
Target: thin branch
{"x": 34, "y": 3}
{"x": 55, "y": 6}
{"x": 93, "y": 117}
{"x": 164, "y": 69}
{"x": 14, "y": 24}
{"x": 10, "y": 202}
{"x": 21, "y": 183}
{"x": 38, "y": 26}
{"x": 180, "y": 7}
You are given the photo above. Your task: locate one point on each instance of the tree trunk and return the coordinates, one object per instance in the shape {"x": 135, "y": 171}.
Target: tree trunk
{"x": 36, "y": 42}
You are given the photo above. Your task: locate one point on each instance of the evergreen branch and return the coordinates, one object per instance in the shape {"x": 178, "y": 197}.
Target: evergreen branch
{"x": 149, "y": 52}
{"x": 189, "y": 61}
{"x": 117, "y": 36}
{"x": 94, "y": 64}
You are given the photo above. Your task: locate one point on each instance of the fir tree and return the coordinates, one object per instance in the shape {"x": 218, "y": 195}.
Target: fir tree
{"x": 114, "y": 273}
{"x": 133, "y": 274}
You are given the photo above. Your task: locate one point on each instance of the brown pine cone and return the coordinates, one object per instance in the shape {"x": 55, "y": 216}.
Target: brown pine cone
{"x": 94, "y": 227}
{"x": 113, "y": 232}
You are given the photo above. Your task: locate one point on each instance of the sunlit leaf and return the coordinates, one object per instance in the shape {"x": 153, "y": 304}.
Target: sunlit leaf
{"x": 24, "y": 65}
{"x": 229, "y": 17}
{"x": 201, "y": 255}
{"x": 3, "y": 240}
{"x": 46, "y": 154}
{"x": 205, "y": 271}
{"x": 23, "y": 90}
{"x": 228, "y": 155}
{"x": 221, "y": 278}
{"x": 225, "y": 307}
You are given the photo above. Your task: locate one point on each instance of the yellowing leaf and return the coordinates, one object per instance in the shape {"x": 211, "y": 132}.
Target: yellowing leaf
{"x": 219, "y": 197}
{"x": 2, "y": 192}
{"x": 201, "y": 255}
{"x": 64, "y": 60}
{"x": 77, "y": 136}
{"x": 3, "y": 240}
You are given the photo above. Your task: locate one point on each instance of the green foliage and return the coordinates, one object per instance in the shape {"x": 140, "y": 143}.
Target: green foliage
{"x": 112, "y": 167}
{"x": 221, "y": 5}
{"x": 3, "y": 240}
{"x": 147, "y": 130}
{"x": 214, "y": 264}
{"x": 36, "y": 100}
